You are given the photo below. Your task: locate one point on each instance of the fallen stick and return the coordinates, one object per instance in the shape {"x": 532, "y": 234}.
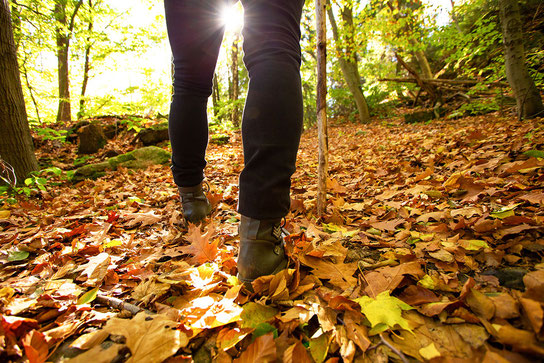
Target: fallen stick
{"x": 120, "y": 304}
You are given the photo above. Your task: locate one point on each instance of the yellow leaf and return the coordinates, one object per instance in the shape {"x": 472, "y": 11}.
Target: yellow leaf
{"x": 429, "y": 352}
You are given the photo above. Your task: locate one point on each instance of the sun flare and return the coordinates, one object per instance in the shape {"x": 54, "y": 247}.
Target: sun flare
{"x": 233, "y": 17}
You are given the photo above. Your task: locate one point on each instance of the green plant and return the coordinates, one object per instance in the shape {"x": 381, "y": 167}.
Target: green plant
{"x": 52, "y": 134}
{"x": 36, "y": 182}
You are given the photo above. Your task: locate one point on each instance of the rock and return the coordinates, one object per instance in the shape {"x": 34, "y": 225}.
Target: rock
{"x": 510, "y": 277}
{"x": 154, "y": 134}
{"x": 112, "y": 130}
{"x": 219, "y": 139}
{"x": 91, "y": 139}
{"x": 136, "y": 159}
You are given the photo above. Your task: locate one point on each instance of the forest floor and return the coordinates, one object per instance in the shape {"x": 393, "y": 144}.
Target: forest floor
{"x": 432, "y": 249}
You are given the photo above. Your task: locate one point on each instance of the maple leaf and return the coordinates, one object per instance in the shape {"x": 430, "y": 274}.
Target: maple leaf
{"x": 384, "y": 312}
{"x": 145, "y": 219}
{"x": 339, "y": 274}
{"x": 201, "y": 248}
{"x": 262, "y": 350}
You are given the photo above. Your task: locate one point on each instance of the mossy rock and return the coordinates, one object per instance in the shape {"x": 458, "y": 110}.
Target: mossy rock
{"x": 136, "y": 159}
{"x": 154, "y": 134}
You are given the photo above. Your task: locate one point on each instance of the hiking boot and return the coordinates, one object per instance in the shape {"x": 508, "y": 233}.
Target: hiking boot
{"x": 262, "y": 249}
{"x": 194, "y": 202}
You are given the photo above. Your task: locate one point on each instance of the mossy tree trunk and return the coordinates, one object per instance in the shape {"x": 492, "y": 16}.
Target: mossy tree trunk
{"x": 528, "y": 99}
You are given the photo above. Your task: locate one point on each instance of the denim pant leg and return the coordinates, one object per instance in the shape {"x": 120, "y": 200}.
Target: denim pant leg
{"x": 272, "y": 119}
{"x": 195, "y": 33}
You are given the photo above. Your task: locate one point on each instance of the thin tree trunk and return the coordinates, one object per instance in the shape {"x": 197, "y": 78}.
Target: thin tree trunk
{"x": 321, "y": 28}
{"x": 64, "y": 28}
{"x": 424, "y": 64}
{"x": 348, "y": 65}
{"x": 235, "y": 82}
{"x": 31, "y": 91}
{"x": 63, "y": 43}
{"x": 86, "y": 67}
{"x": 528, "y": 99}
{"x": 216, "y": 98}
{"x": 16, "y": 146}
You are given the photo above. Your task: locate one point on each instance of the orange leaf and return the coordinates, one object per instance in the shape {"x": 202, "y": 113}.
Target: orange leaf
{"x": 201, "y": 248}
{"x": 262, "y": 350}
{"x": 36, "y": 348}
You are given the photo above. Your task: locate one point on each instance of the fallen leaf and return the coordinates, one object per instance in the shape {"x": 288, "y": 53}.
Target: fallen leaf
{"x": 262, "y": 350}
{"x": 150, "y": 338}
{"x": 36, "y": 348}
{"x": 201, "y": 248}
{"x": 296, "y": 353}
{"x": 384, "y": 312}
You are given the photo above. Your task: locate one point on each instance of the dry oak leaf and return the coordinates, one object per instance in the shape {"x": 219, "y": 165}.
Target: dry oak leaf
{"x": 534, "y": 313}
{"x": 388, "y": 278}
{"x": 149, "y": 290}
{"x": 389, "y": 225}
{"x": 95, "y": 270}
{"x": 534, "y": 285}
{"x": 150, "y": 338}
{"x": 533, "y": 197}
{"x": 339, "y": 274}
{"x": 262, "y": 350}
{"x": 200, "y": 248}
{"x": 145, "y": 219}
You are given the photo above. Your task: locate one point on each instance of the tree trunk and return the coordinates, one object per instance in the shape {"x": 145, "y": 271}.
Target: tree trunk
{"x": 15, "y": 141}
{"x": 216, "y": 98}
{"x": 528, "y": 99}
{"x": 348, "y": 63}
{"x": 321, "y": 106}
{"x": 424, "y": 64}
{"x": 86, "y": 67}
{"x": 235, "y": 82}
{"x": 63, "y": 44}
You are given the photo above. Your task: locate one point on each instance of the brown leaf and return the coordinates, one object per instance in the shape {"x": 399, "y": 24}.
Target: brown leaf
{"x": 296, "y": 353}
{"x": 417, "y": 295}
{"x": 535, "y": 197}
{"x": 534, "y": 285}
{"x": 388, "y": 225}
{"x": 480, "y": 304}
{"x": 388, "y": 278}
{"x": 144, "y": 219}
{"x": 262, "y": 350}
{"x": 506, "y": 307}
{"x": 95, "y": 270}
{"x": 534, "y": 313}
{"x": 149, "y": 338}
{"x": 339, "y": 274}
{"x": 201, "y": 248}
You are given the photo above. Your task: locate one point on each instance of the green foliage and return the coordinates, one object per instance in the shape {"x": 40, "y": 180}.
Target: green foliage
{"x": 47, "y": 133}
{"x": 36, "y": 182}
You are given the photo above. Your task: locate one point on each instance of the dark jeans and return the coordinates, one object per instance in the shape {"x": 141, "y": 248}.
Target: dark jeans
{"x": 272, "y": 119}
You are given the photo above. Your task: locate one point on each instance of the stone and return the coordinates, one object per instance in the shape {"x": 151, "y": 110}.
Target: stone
{"x": 136, "y": 159}
{"x": 91, "y": 139}
{"x": 154, "y": 134}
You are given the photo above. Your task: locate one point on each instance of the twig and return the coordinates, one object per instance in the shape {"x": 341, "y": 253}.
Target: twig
{"x": 395, "y": 350}
{"x": 120, "y": 304}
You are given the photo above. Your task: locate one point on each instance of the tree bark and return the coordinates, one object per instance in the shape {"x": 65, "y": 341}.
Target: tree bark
{"x": 528, "y": 99}
{"x": 16, "y": 146}
{"x": 348, "y": 63}
{"x": 63, "y": 29}
{"x": 321, "y": 106}
{"x": 235, "y": 117}
{"x": 424, "y": 64}
{"x": 216, "y": 98}
{"x": 86, "y": 66}
{"x": 63, "y": 43}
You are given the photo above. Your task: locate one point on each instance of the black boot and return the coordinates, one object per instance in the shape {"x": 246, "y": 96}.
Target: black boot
{"x": 261, "y": 248}
{"x": 195, "y": 204}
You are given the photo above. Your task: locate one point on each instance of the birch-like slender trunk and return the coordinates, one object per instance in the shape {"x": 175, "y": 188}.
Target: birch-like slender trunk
{"x": 321, "y": 27}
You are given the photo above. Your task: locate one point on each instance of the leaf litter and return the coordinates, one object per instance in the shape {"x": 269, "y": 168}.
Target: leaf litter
{"x": 431, "y": 249}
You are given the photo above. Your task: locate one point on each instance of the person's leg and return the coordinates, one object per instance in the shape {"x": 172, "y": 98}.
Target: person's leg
{"x": 271, "y": 129}
{"x": 195, "y": 34}
{"x": 272, "y": 119}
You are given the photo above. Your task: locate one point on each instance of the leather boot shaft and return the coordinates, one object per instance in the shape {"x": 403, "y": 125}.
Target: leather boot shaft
{"x": 194, "y": 202}
{"x": 262, "y": 249}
